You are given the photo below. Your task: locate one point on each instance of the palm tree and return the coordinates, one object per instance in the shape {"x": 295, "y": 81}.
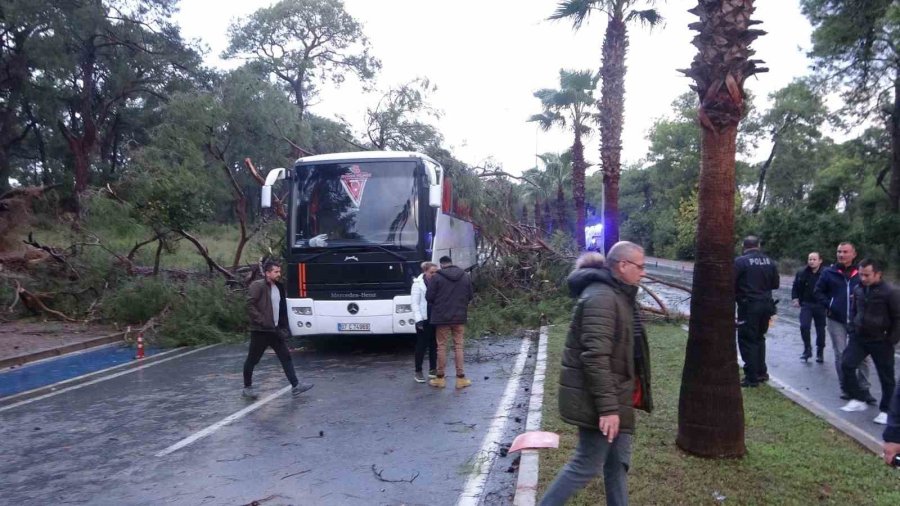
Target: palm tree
{"x": 558, "y": 171}
{"x": 612, "y": 92}
{"x": 572, "y": 104}
{"x": 538, "y": 191}
{"x": 710, "y": 408}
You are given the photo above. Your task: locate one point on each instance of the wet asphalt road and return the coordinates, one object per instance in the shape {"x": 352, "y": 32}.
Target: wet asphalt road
{"x": 365, "y": 434}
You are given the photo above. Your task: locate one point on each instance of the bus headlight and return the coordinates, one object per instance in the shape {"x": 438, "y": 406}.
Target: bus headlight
{"x": 302, "y": 310}
{"x": 404, "y": 308}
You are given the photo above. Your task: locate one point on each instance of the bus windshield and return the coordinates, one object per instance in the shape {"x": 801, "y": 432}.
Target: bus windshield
{"x": 356, "y": 203}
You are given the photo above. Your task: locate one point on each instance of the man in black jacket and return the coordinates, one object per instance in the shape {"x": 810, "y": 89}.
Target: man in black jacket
{"x": 803, "y": 296}
{"x": 267, "y": 310}
{"x": 874, "y": 330}
{"x": 448, "y": 296}
{"x": 605, "y": 373}
{"x": 755, "y": 276}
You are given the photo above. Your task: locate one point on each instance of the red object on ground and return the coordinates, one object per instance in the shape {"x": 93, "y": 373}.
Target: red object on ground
{"x": 140, "y": 346}
{"x": 535, "y": 439}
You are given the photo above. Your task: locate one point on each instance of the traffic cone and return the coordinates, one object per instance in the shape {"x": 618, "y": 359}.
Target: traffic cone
{"x": 140, "y": 346}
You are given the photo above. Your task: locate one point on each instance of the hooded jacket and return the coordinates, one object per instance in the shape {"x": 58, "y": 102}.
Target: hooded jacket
{"x": 834, "y": 288}
{"x": 449, "y": 293}
{"x": 599, "y": 371}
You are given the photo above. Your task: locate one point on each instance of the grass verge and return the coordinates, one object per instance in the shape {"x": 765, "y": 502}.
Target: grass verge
{"x": 793, "y": 457}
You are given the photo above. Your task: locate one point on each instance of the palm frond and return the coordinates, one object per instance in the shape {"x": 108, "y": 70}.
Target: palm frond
{"x": 576, "y": 10}
{"x": 648, "y": 17}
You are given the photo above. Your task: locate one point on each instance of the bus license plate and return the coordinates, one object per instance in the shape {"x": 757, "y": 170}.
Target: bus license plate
{"x": 353, "y": 327}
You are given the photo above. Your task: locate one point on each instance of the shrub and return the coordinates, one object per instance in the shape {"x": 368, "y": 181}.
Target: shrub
{"x": 139, "y": 300}
{"x": 209, "y": 313}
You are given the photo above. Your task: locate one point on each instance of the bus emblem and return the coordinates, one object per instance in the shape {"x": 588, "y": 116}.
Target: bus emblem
{"x": 354, "y": 258}
{"x": 354, "y": 183}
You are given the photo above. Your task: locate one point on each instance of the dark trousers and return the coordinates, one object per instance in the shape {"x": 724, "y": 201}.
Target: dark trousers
{"x": 259, "y": 341}
{"x": 753, "y": 323}
{"x": 809, "y": 312}
{"x": 882, "y": 352}
{"x": 425, "y": 339}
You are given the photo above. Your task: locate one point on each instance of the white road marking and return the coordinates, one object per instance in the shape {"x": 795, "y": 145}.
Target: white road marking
{"x": 223, "y": 422}
{"x": 98, "y": 380}
{"x": 471, "y": 494}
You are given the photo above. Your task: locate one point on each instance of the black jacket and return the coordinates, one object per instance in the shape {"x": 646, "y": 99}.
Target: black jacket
{"x": 755, "y": 276}
{"x": 448, "y": 296}
{"x": 875, "y": 313}
{"x": 600, "y": 366}
{"x": 804, "y": 288}
{"x": 259, "y": 307}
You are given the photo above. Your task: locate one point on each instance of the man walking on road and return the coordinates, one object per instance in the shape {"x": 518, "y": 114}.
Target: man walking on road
{"x": 874, "y": 330}
{"x": 449, "y": 295}
{"x": 605, "y": 373}
{"x": 833, "y": 291}
{"x": 755, "y": 276}
{"x": 803, "y": 296}
{"x": 267, "y": 309}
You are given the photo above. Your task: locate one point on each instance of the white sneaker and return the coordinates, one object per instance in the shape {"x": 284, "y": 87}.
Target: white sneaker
{"x": 854, "y": 405}
{"x": 881, "y": 419}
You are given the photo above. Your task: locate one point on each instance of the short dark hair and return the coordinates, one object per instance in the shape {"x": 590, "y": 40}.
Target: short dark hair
{"x": 445, "y": 260}
{"x": 268, "y": 265}
{"x": 877, "y": 266}
{"x": 751, "y": 241}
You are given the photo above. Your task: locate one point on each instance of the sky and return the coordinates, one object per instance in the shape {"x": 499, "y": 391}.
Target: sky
{"x": 488, "y": 57}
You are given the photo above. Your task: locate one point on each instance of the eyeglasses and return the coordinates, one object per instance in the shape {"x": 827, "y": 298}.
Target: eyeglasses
{"x": 639, "y": 266}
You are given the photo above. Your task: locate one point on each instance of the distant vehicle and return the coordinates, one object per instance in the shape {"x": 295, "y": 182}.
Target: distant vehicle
{"x": 359, "y": 226}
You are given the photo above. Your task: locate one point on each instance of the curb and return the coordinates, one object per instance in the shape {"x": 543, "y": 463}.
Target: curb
{"x": 527, "y": 481}
{"x": 23, "y": 359}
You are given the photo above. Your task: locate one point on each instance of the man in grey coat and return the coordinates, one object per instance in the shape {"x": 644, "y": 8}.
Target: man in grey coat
{"x": 605, "y": 373}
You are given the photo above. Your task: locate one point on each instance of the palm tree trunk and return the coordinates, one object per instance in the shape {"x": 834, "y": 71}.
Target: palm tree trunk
{"x": 560, "y": 207}
{"x": 710, "y": 409}
{"x": 612, "y": 110}
{"x": 539, "y": 217}
{"x": 578, "y": 170}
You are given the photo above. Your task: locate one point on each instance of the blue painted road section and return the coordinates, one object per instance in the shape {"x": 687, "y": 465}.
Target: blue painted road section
{"x": 47, "y": 372}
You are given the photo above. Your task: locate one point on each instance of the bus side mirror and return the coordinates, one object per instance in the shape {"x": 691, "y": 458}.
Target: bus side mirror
{"x": 435, "y": 196}
{"x": 265, "y": 199}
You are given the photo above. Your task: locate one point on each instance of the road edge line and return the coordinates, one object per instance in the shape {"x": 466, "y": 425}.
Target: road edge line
{"x": 529, "y": 463}
{"x": 103, "y": 378}
{"x": 474, "y": 486}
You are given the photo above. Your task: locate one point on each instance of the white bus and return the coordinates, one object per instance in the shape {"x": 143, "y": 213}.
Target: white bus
{"x": 359, "y": 225}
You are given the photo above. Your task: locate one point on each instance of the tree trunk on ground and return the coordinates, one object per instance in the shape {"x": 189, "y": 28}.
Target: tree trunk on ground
{"x": 710, "y": 406}
{"x": 578, "y": 170}
{"x": 612, "y": 110}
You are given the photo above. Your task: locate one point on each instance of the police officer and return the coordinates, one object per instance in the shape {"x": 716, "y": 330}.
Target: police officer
{"x": 755, "y": 276}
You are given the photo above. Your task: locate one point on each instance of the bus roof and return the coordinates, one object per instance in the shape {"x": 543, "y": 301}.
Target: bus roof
{"x": 364, "y": 155}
